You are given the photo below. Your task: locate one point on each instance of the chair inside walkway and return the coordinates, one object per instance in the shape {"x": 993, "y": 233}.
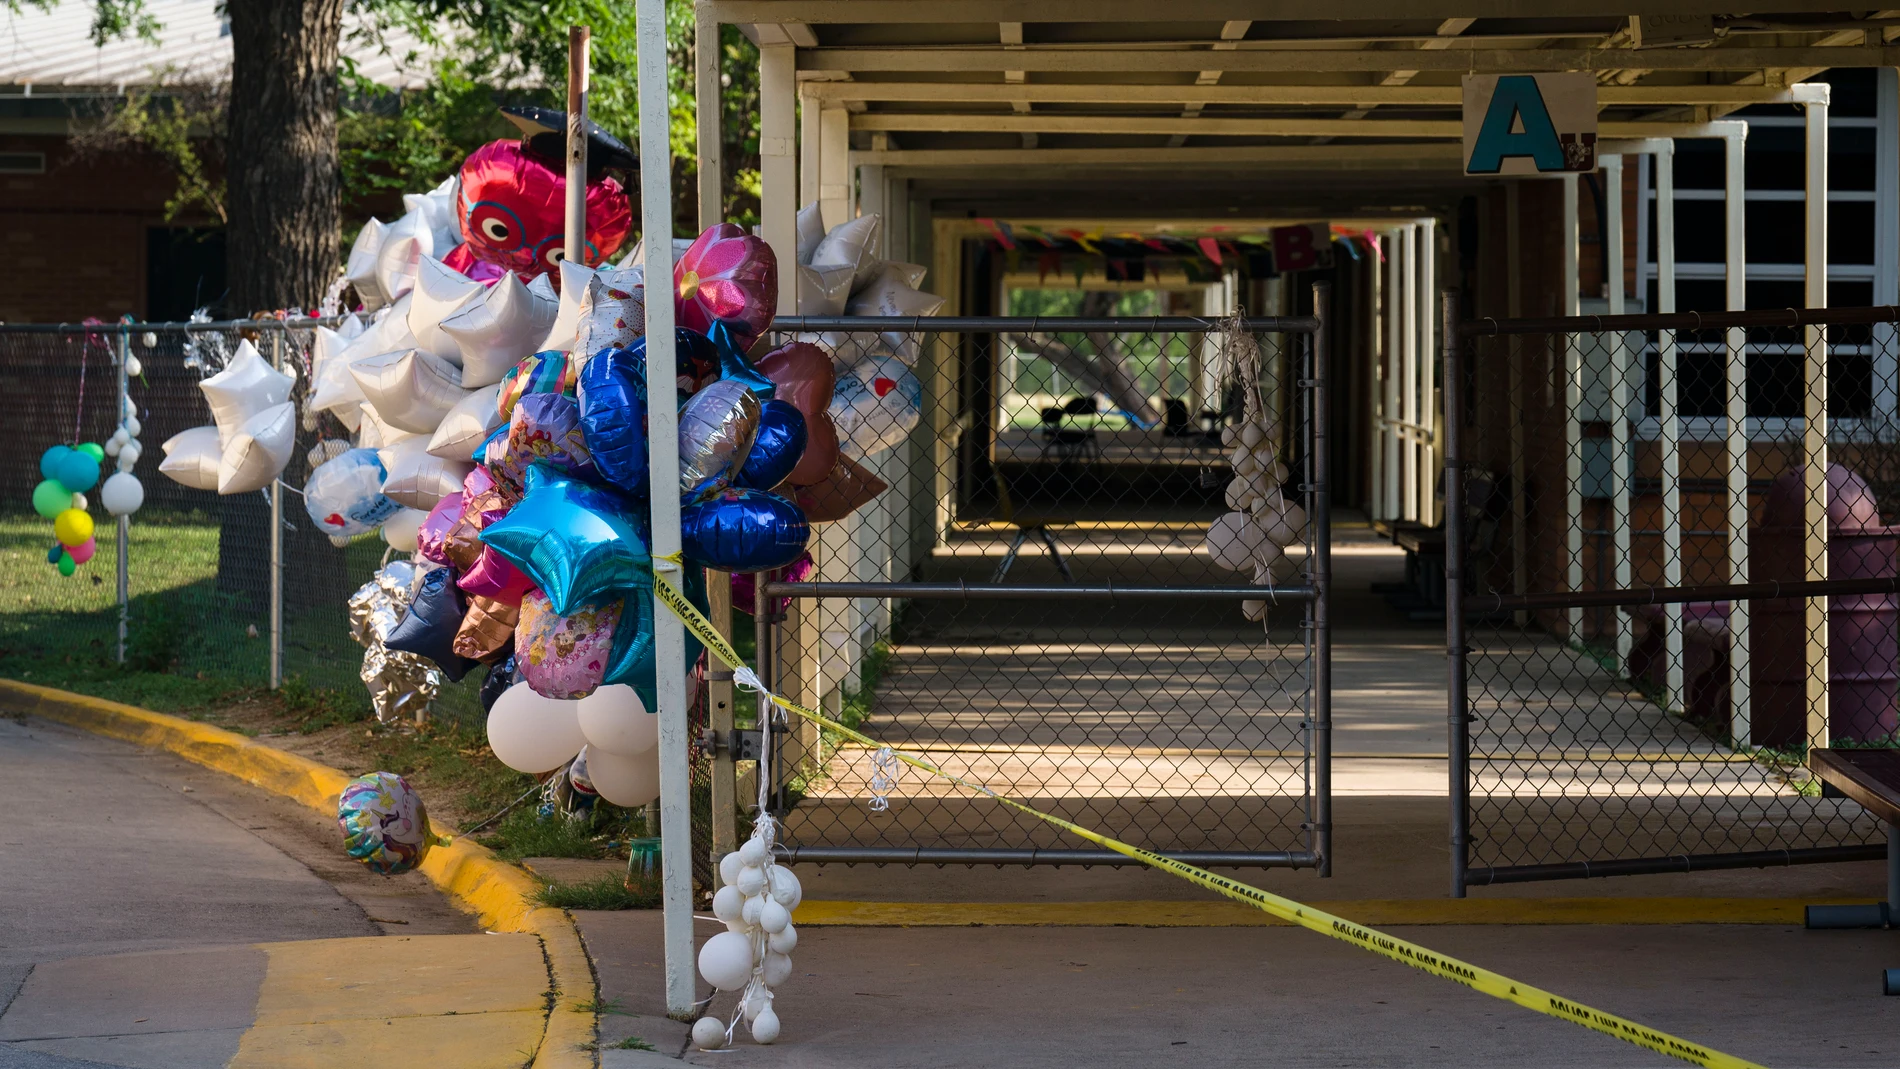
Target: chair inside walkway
{"x": 1025, "y": 525}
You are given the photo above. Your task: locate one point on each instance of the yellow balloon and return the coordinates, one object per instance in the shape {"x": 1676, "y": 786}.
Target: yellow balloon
{"x": 72, "y": 527}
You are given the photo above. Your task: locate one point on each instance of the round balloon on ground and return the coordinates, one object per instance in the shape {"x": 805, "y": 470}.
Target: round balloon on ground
{"x": 385, "y": 825}
{"x": 532, "y": 734}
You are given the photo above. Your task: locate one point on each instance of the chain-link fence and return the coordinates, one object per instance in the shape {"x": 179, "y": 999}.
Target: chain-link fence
{"x": 1639, "y": 669}
{"x": 1031, "y": 603}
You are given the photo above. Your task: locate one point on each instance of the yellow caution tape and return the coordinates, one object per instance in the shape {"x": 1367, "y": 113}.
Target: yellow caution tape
{"x": 1479, "y": 979}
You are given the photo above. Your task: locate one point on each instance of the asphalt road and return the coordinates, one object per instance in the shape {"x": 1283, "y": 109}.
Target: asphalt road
{"x": 114, "y": 858}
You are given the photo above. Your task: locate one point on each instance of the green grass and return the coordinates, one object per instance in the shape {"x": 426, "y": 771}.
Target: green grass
{"x": 602, "y": 1006}
{"x": 526, "y": 833}
{"x": 608, "y": 891}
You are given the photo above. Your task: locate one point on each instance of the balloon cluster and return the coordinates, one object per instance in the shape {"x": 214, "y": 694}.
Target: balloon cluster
{"x": 67, "y": 472}
{"x": 1254, "y": 536}
{"x": 753, "y": 954}
{"x": 122, "y": 493}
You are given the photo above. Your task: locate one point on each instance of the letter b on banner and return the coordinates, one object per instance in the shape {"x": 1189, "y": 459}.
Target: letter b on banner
{"x": 1530, "y": 123}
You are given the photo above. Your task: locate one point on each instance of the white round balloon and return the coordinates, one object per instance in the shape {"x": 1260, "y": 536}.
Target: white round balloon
{"x": 777, "y": 969}
{"x": 729, "y": 867}
{"x": 533, "y": 734}
{"x": 625, "y": 781}
{"x": 765, "y": 1027}
{"x": 709, "y": 1033}
{"x": 616, "y": 721}
{"x": 773, "y": 917}
{"x": 784, "y": 941}
{"x": 726, "y": 961}
{"x": 784, "y": 887}
{"x": 727, "y": 902}
{"x": 122, "y": 494}
{"x": 400, "y": 530}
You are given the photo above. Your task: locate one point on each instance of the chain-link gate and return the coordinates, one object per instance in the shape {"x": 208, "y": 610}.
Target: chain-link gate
{"x": 1030, "y": 603}
{"x": 1654, "y": 611}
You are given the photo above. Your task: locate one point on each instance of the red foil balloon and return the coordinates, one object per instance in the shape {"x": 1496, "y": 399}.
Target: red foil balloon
{"x": 512, "y": 210}
{"x": 729, "y": 277}
{"x": 804, "y": 376}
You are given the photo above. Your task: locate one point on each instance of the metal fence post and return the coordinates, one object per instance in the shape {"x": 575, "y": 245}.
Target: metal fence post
{"x": 125, "y": 522}
{"x": 1456, "y": 726}
{"x": 277, "y": 550}
{"x": 1320, "y": 571}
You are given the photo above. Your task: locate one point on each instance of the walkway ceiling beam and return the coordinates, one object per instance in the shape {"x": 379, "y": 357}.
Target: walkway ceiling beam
{"x": 1359, "y": 157}
{"x": 1203, "y": 125}
{"x": 1098, "y": 11}
{"x": 1292, "y": 95}
{"x": 1308, "y": 60}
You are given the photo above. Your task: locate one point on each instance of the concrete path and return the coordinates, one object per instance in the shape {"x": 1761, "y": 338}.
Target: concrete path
{"x": 1114, "y": 997}
{"x": 157, "y": 914}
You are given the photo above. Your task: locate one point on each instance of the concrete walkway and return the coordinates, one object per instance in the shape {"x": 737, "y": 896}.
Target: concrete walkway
{"x": 157, "y": 914}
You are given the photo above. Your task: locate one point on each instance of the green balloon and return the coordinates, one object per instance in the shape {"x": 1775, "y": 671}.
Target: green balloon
{"x": 67, "y": 565}
{"x": 50, "y": 498}
{"x": 93, "y": 450}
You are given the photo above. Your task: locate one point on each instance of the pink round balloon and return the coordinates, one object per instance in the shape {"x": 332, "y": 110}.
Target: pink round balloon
{"x": 804, "y": 376}
{"x": 83, "y": 552}
{"x": 729, "y": 277}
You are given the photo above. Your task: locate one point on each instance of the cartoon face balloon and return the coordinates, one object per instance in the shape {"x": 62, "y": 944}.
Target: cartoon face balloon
{"x": 511, "y": 207}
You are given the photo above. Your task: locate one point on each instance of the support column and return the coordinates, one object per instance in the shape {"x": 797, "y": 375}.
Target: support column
{"x": 1735, "y": 273}
{"x": 778, "y": 162}
{"x": 707, "y": 118}
{"x": 1573, "y": 404}
{"x": 834, "y": 165}
{"x": 1669, "y": 421}
{"x": 1620, "y": 444}
{"x": 1425, "y": 444}
{"x": 1408, "y": 374}
{"x": 669, "y": 636}
{"x": 810, "y": 147}
{"x": 1393, "y": 488}
{"x": 1814, "y": 422}
{"x": 1886, "y": 361}
{"x": 1514, "y": 384}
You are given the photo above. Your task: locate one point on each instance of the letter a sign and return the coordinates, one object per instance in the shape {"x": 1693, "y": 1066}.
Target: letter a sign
{"x": 1530, "y": 123}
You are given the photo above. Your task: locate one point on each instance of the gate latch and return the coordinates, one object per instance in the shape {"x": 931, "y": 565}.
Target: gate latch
{"x": 743, "y": 745}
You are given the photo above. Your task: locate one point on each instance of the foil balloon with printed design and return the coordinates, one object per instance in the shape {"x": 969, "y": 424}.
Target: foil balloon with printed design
{"x": 432, "y": 535}
{"x": 805, "y": 378}
{"x": 488, "y": 629}
{"x": 575, "y": 541}
{"x": 483, "y": 502}
{"x": 739, "y": 530}
{"x": 716, "y": 428}
{"x": 544, "y": 372}
{"x": 565, "y": 656}
{"x": 544, "y": 429}
{"x": 727, "y": 276}
{"x": 385, "y": 825}
{"x": 344, "y": 496}
{"x": 511, "y": 202}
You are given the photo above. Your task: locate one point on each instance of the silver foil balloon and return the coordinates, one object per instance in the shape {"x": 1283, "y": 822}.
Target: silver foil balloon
{"x": 716, "y": 430}
{"x": 400, "y": 684}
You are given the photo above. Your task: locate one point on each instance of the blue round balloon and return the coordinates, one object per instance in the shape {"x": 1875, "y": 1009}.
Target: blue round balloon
{"x": 694, "y": 355}
{"x": 776, "y": 447}
{"x": 76, "y": 471}
{"x": 613, "y": 396}
{"x": 428, "y": 628}
{"x": 49, "y": 460}
{"x": 53, "y": 555}
{"x": 743, "y": 531}
{"x": 575, "y": 541}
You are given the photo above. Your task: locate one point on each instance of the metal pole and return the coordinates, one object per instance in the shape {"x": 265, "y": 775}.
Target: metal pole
{"x": 762, "y": 653}
{"x": 277, "y": 550}
{"x": 1669, "y": 436}
{"x": 1573, "y": 405}
{"x": 1735, "y": 298}
{"x": 669, "y": 637}
{"x": 124, "y": 551}
{"x": 725, "y": 822}
{"x": 1457, "y": 740}
{"x": 576, "y": 218}
{"x": 1814, "y": 423}
{"x": 1320, "y": 575}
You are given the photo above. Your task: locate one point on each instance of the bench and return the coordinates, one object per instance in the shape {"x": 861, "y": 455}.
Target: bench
{"x": 1872, "y": 778}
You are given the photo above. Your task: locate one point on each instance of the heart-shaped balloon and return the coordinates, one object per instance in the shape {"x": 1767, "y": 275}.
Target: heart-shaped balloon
{"x": 804, "y": 376}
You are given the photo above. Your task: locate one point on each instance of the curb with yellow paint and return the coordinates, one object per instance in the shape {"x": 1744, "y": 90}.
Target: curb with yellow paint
{"x": 499, "y": 894}
{"x": 1196, "y": 914}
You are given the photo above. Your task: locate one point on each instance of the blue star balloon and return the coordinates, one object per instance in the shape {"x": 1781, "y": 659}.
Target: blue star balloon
{"x": 613, "y": 394}
{"x": 743, "y": 531}
{"x": 735, "y": 365}
{"x": 428, "y": 628}
{"x": 776, "y": 446}
{"x": 574, "y": 540}
{"x": 632, "y": 661}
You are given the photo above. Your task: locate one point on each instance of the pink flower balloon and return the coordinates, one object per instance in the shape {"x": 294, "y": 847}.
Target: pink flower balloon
{"x": 731, "y": 277}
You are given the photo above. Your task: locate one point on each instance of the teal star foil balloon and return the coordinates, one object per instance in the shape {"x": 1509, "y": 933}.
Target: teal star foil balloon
{"x": 632, "y": 661}
{"x": 576, "y": 541}
{"x": 735, "y": 365}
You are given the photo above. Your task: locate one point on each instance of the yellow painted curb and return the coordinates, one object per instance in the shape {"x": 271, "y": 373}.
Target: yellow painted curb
{"x": 499, "y": 894}
{"x": 1372, "y": 912}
